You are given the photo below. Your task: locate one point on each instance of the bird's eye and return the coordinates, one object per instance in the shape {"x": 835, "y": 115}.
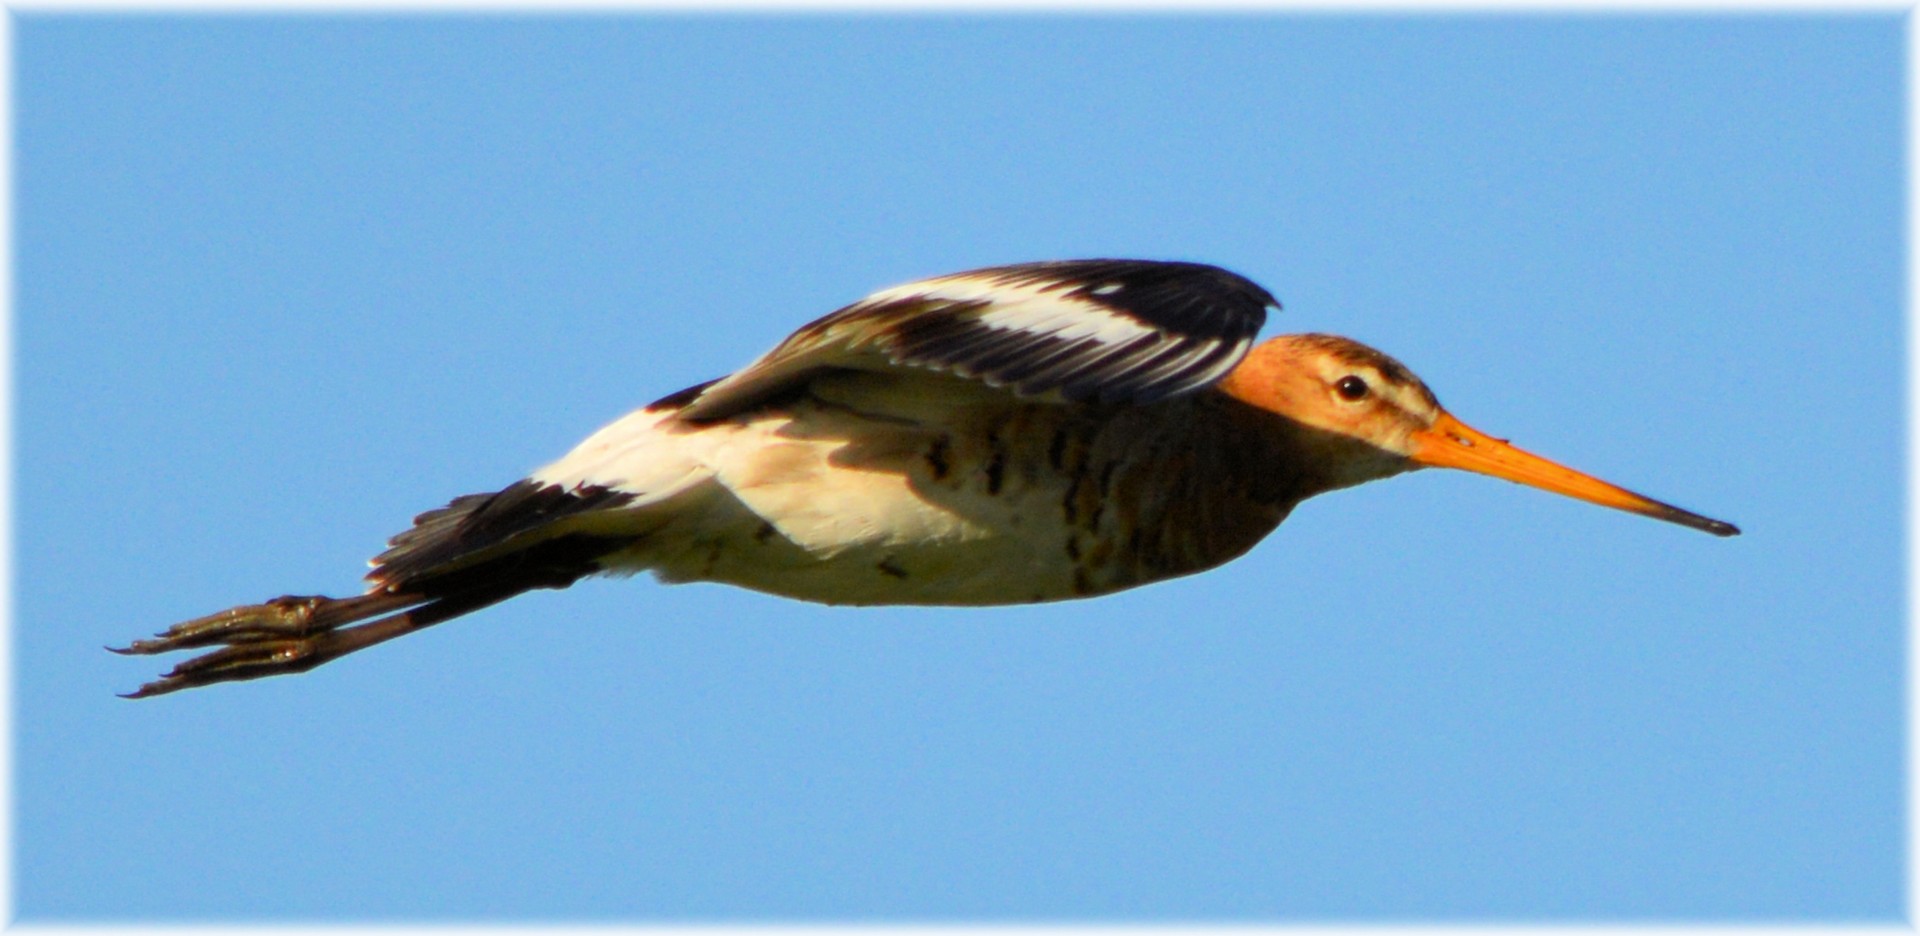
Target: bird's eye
{"x": 1351, "y": 388}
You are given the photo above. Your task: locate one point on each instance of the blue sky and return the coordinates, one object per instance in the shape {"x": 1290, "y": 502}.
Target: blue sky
{"x": 284, "y": 282}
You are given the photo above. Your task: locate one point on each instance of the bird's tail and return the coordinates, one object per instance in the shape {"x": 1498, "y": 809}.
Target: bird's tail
{"x": 477, "y": 551}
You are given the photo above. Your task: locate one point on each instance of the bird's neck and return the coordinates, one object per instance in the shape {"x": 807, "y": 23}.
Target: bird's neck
{"x": 1208, "y": 479}
{"x": 1278, "y": 461}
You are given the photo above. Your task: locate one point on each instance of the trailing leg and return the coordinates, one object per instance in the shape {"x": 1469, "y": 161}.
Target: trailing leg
{"x": 293, "y": 635}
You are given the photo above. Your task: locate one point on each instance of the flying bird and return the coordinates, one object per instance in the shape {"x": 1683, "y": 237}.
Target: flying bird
{"x": 1015, "y": 434}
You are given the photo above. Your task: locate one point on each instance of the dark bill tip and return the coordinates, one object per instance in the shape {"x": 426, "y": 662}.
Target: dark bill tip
{"x": 1688, "y": 518}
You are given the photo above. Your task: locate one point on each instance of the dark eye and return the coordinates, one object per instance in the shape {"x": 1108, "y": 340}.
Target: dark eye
{"x": 1351, "y": 388}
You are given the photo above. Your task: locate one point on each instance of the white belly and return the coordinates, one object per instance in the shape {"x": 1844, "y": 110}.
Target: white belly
{"x": 838, "y": 506}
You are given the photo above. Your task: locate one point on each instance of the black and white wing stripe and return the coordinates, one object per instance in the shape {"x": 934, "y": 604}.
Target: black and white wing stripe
{"x": 1111, "y": 331}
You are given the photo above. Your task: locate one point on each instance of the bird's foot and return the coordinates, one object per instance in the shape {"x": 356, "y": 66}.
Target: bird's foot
{"x": 249, "y": 660}
{"x": 286, "y": 616}
{"x": 262, "y": 639}
{"x": 290, "y": 634}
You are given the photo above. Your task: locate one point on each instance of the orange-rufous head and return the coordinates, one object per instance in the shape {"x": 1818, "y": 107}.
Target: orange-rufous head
{"x": 1348, "y": 391}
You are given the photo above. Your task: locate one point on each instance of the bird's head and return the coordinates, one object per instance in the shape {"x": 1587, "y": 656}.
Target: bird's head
{"x": 1369, "y": 417}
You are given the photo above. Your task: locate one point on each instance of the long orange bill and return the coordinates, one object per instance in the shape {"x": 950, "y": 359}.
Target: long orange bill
{"x": 1450, "y": 443}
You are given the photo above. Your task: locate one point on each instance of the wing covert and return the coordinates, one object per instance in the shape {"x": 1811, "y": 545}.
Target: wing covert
{"x": 1110, "y": 331}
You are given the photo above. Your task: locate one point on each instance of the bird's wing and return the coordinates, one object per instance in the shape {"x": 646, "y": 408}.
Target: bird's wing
{"x": 1110, "y": 331}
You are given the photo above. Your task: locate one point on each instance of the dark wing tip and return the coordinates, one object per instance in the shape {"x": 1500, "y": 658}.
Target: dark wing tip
{"x": 1197, "y": 299}
{"x": 1134, "y": 331}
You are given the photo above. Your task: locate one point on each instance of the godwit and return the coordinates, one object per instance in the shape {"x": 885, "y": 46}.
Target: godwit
{"x": 1008, "y": 435}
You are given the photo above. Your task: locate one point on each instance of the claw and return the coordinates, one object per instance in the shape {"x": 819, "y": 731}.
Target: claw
{"x": 290, "y": 634}
{"x": 249, "y": 660}
{"x": 286, "y": 616}
{"x": 293, "y": 634}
